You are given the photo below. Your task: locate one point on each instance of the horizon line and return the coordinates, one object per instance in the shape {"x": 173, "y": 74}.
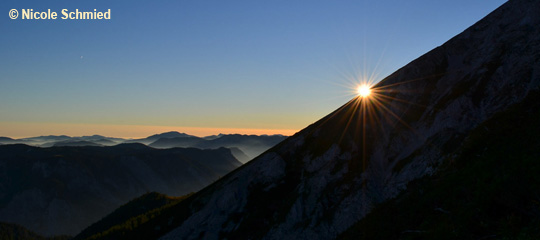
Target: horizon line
{"x": 18, "y": 130}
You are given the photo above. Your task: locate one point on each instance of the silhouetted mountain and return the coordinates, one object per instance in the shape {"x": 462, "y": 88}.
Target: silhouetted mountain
{"x": 155, "y": 137}
{"x": 212, "y": 137}
{"x": 251, "y": 145}
{"x": 172, "y": 134}
{"x": 94, "y": 138}
{"x": 105, "y": 142}
{"x": 177, "y": 142}
{"x": 49, "y": 138}
{"x": 238, "y": 154}
{"x": 75, "y": 143}
{"x": 10, "y": 231}
{"x": 62, "y": 140}
{"x": 117, "y": 224}
{"x": 6, "y": 140}
{"x": 61, "y": 190}
{"x": 424, "y": 132}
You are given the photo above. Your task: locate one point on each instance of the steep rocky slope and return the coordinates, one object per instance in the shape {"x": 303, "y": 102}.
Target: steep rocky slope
{"x": 319, "y": 182}
{"x": 489, "y": 189}
{"x": 61, "y": 190}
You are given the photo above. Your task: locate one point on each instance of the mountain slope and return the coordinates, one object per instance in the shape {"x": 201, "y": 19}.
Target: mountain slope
{"x": 238, "y": 154}
{"x": 61, "y": 190}
{"x": 489, "y": 190}
{"x": 319, "y": 182}
{"x": 119, "y": 223}
{"x": 10, "y": 231}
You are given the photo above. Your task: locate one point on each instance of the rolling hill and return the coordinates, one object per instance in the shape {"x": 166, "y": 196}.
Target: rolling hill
{"x": 61, "y": 190}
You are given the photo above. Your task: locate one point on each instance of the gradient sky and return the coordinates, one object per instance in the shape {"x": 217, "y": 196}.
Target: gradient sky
{"x": 205, "y": 67}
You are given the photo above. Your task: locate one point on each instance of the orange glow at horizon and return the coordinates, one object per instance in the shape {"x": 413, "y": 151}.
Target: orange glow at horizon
{"x": 22, "y": 130}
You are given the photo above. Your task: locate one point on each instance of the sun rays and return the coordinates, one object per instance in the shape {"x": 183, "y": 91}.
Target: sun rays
{"x": 380, "y": 108}
{"x": 376, "y": 110}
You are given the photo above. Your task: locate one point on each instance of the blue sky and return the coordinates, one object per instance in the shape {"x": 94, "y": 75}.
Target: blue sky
{"x": 276, "y": 65}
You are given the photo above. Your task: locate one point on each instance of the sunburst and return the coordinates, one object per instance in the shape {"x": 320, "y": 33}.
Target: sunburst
{"x": 363, "y": 91}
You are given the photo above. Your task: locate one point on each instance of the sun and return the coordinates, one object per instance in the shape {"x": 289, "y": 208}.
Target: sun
{"x": 363, "y": 91}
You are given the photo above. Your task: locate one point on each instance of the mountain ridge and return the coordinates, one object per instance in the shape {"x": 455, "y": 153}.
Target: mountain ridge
{"x": 320, "y": 181}
{"x": 488, "y": 189}
{"x": 250, "y": 145}
{"x": 60, "y": 190}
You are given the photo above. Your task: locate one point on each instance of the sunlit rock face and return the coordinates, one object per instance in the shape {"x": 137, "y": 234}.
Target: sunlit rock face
{"x": 317, "y": 183}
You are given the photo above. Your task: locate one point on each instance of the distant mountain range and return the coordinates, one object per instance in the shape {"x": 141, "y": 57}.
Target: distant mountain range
{"x": 153, "y": 138}
{"x": 61, "y": 190}
{"x": 246, "y": 146}
{"x": 59, "y": 184}
{"x": 251, "y": 145}
{"x": 61, "y": 140}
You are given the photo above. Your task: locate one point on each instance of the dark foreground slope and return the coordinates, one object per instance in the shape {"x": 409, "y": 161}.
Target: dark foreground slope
{"x": 321, "y": 181}
{"x": 61, "y": 190}
{"x": 10, "y": 231}
{"x": 490, "y": 189}
{"x": 132, "y": 215}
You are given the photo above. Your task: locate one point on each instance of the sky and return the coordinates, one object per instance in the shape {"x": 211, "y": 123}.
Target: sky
{"x": 206, "y": 67}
